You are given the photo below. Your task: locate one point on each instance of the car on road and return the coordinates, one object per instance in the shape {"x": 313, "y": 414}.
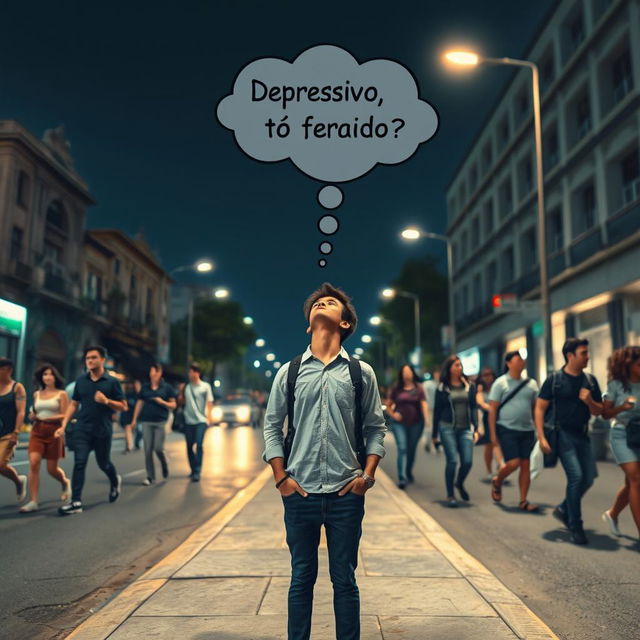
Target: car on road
{"x": 236, "y": 409}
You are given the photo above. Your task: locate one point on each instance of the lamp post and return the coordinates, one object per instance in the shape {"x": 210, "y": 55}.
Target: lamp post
{"x": 468, "y": 58}
{"x": 201, "y": 266}
{"x": 413, "y": 234}
{"x": 392, "y": 293}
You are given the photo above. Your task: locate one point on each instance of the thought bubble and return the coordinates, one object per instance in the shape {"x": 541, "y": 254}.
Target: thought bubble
{"x": 332, "y": 116}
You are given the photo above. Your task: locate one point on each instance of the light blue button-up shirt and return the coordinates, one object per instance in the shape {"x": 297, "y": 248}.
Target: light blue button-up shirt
{"x": 323, "y": 457}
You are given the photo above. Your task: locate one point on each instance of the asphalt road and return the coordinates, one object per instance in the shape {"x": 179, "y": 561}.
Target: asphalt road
{"x": 55, "y": 570}
{"x": 582, "y": 593}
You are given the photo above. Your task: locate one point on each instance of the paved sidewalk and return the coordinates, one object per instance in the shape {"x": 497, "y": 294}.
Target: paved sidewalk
{"x": 229, "y": 581}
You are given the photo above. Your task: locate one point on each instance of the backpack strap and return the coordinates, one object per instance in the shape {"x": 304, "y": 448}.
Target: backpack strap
{"x": 292, "y": 374}
{"x": 355, "y": 371}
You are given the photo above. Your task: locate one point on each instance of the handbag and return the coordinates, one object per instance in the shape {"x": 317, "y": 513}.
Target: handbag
{"x": 551, "y": 430}
{"x": 633, "y": 433}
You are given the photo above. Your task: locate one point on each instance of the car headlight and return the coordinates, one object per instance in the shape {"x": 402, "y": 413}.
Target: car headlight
{"x": 216, "y": 414}
{"x": 243, "y": 413}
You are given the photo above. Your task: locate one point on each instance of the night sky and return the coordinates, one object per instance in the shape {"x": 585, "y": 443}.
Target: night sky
{"x": 136, "y": 85}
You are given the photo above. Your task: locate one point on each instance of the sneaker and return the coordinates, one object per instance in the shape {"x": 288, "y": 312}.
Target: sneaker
{"x": 29, "y": 507}
{"x": 463, "y": 492}
{"x": 71, "y": 508}
{"x": 195, "y": 477}
{"x": 22, "y": 491}
{"x": 578, "y": 537}
{"x": 114, "y": 494}
{"x": 613, "y": 524}
{"x": 559, "y": 514}
{"x": 165, "y": 473}
{"x": 147, "y": 482}
{"x": 427, "y": 447}
{"x": 402, "y": 485}
{"x": 452, "y": 502}
{"x": 66, "y": 491}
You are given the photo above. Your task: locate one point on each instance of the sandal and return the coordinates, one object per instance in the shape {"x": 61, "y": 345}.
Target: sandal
{"x": 525, "y": 505}
{"x": 496, "y": 489}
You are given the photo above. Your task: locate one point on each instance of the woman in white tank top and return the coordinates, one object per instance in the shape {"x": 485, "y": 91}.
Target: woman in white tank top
{"x": 50, "y": 403}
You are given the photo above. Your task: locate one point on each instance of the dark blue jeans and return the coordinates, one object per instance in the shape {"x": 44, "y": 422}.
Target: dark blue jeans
{"x": 342, "y": 520}
{"x": 456, "y": 442}
{"x": 84, "y": 442}
{"x": 194, "y": 435}
{"x": 407, "y": 439}
{"x": 576, "y": 456}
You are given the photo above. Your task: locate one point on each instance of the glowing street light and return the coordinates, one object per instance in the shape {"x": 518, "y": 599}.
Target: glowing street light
{"x": 268, "y": 373}
{"x": 256, "y": 364}
{"x": 248, "y": 320}
{"x": 366, "y": 338}
{"x": 270, "y": 357}
{"x": 221, "y": 293}
{"x": 203, "y": 266}
{"x": 277, "y": 365}
{"x": 359, "y": 350}
{"x": 465, "y": 58}
{"x": 375, "y": 321}
{"x": 389, "y": 293}
{"x": 260, "y": 342}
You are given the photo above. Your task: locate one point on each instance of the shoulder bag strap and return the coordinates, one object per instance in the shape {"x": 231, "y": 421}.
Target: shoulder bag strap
{"x": 292, "y": 374}
{"x": 513, "y": 393}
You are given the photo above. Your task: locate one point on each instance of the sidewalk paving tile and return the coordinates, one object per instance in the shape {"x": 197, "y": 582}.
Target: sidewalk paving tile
{"x": 433, "y": 628}
{"x": 407, "y": 562}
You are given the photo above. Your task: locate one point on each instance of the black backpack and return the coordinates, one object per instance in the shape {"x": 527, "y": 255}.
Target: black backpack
{"x": 355, "y": 371}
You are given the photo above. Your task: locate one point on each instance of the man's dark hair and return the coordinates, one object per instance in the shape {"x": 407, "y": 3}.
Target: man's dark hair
{"x": 348, "y": 310}
{"x": 194, "y": 366}
{"x": 156, "y": 365}
{"x": 571, "y": 345}
{"x": 95, "y": 347}
{"x": 6, "y": 362}
{"x": 40, "y": 371}
{"x": 509, "y": 356}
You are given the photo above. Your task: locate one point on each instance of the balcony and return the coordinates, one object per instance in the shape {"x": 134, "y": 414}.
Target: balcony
{"x": 56, "y": 283}
{"x": 95, "y": 306}
{"x": 585, "y": 246}
{"x": 623, "y": 224}
{"x": 631, "y": 191}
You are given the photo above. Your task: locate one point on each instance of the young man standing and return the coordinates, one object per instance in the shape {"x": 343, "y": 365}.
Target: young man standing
{"x": 13, "y": 404}
{"x": 511, "y": 402}
{"x": 198, "y": 405}
{"x": 569, "y": 397}
{"x": 152, "y": 407}
{"x": 322, "y": 482}
{"x": 98, "y": 394}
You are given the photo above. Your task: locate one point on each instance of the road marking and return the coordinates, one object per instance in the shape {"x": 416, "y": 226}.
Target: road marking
{"x": 18, "y": 464}
{"x": 134, "y": 473}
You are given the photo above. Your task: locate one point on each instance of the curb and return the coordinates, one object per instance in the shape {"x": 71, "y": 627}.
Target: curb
{"x": 105, "y": 621}
{"x": 522, "y": 621}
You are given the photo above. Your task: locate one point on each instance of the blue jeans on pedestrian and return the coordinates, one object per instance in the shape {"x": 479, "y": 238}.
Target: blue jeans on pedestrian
{"x": 576, "y": 456}
{"x": 342, "y": 520}
{"x": 456, "y": 443}
{"x": 407, "y": 438}
{"x": 194, "y": 435}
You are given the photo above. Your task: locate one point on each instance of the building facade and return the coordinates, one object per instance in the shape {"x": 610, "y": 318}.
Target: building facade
{"x": 588, "y": 53}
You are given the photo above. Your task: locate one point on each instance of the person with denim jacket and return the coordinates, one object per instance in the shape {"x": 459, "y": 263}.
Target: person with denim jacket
{"x": 455, "y": 423}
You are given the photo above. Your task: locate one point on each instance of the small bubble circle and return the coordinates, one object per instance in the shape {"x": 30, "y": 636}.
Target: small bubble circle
{"x": 326, "y": 247}
{"x": 322, "y": 262}
{"x": 328, "y": 225}
{"x": 330, "y": 197}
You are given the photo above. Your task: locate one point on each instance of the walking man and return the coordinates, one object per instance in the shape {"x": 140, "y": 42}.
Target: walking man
{"x": 511, "y": 402}
{"x": 99, "y": 395}
{"x": 327, "y": 462}
{"x": 13, "y": 404}
{"x": 198, "y": 405}
{"x": 569, "y": 397}
{"x": 152, "y": 407}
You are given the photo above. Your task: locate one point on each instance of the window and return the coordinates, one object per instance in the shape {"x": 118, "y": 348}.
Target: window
{"x": 583, "y": 116}
{"x": 503, "y": 132}
{"x": 116, "y": 266}
{"x": 475, "y": 230}
{"x": 555, "y": 231}
{"x": 464, "y": 249}
{"x": 477, "y": 290}
{"x": 22, "y": 192}
{"x": 56, "y": 216}
{"x": 149, "y": 307}
{"x": 506, "y": 199}
{"x": 487, "y": 156}
{"x": 600, "y": 7}
{"x": 132, "y": 284}
{"x": 454, "y": 255}
{"x": 465, "y": 299}
{"x": 576, "y": 31}
{"x": 585, "y": 211}
{"x": 15, "y": 252}
{"x": 630, "y": 167}
{"x": 492, "y": 278}
{"x": 507, "y": 266}
{"x": 93, "y": 286}
{"x": 547, "y": 72}
{"x": 621, "y": 76}
{"x": 573, "y": 32}
{"x": 525, "y": 177}
{"x": 488, "y": 218}
{"x": 551, "y": 149}
{"x": 473, "y": 178}
{"x": 528, "y": 250}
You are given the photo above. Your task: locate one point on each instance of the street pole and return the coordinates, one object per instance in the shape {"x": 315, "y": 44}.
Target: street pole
{"x": 189, "y": 329}
{"x": 416, "y": 313}
{"x": 542, "y": 222}
{"x": 452, "y": 321}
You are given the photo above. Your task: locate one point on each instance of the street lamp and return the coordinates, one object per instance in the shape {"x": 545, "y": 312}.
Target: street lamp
{"x": 260, "y": 342}
{"x": 375, "y": 321}
{"x": 469, "y": 58}
{"x": 248, "y": 320}
{"x": 366, "y": 338}
{"x": 392, "y": 293}
{"x": 412, "y": 233}
{"x": 201, "y": 266}
{"x": 270, "y": 357}
{"x": 221, "y": 293}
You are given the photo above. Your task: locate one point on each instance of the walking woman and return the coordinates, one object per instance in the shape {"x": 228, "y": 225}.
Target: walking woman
{"x": 483, "y": 386}
{"x": 50, "y": 402}
{"x": 621, "y": 407}
{"x": 455, "y": 423}
{"x": 407, "y": 407}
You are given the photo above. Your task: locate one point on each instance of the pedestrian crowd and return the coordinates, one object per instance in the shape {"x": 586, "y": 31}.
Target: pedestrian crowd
{"x": 80, "y": 417}
{"x": 519, "y": 424}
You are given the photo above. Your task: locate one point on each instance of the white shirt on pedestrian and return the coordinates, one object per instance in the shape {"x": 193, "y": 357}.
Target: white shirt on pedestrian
{"x": 517, "y": 413}
{"x": 196, "y": 398}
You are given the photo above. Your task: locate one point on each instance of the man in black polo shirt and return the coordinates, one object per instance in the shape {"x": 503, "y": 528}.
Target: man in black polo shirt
{"x": 567, "y": 399}
{"x": 99, "y": 395}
